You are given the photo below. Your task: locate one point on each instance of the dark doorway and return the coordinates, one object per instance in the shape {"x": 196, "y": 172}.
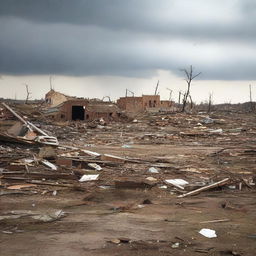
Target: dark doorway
{"x": 77, "y": 113}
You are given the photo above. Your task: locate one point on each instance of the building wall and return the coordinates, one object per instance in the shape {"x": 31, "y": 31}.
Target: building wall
{"x": 151, "y": 101}
{"x": 166, "y": 103}
{"x": 66, "y": 109}
{"x": 90, "y": 113}
{"x": 139, "y": 104}
{"x": 130, "y": 104}
{"x": 53, "y": 98}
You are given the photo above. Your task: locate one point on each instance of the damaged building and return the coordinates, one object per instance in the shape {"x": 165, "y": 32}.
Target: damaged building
{"x": 74, "y": 109}
{"x": 144, "y": 103}
{"x": 54, "y": 98}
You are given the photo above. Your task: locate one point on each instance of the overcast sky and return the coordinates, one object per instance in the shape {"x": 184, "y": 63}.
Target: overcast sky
{"x": 100, "y": 47}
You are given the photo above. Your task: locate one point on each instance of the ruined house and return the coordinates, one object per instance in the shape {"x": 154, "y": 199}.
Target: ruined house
{"x": 72, "y": 108}
{"x": 54, "y": 98}
{"x": 144, "y": 103}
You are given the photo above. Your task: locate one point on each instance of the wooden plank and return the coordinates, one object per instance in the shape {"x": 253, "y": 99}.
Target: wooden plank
{"x": 214, "y": 221}
{"x": 214, "y": 185}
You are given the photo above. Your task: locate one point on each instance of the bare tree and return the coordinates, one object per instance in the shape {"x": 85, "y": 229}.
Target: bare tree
{"x": 189, "y": 76}
{"x": 28, "y": 94}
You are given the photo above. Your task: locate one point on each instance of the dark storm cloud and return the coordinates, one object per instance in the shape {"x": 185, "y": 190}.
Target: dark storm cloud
{"x": 128, "y": 38}
{"x": 146, "y": 16}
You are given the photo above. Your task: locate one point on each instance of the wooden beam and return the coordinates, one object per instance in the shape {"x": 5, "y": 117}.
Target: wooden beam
{"x": 214, "y": 185}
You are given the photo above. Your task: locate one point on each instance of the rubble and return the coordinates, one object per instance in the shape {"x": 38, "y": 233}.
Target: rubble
{"x": 27, "y": 132}
{"x": 38, "y": 216}
{"x": 107, "y": 178}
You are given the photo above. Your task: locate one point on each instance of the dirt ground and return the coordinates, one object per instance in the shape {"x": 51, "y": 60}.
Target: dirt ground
{"x": 148, "y": 219}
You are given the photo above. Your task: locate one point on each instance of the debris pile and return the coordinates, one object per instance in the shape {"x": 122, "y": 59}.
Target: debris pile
{"x": 26, "y": 132}
{"x": 190, "y": 173}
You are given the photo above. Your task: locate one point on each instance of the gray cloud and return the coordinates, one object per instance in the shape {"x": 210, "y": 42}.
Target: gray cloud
{"x": 128, "y": 38}
{"x": 168, "y": 17}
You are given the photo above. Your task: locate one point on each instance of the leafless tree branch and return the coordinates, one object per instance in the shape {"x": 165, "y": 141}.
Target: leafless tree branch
{"x": 188, "y": 78}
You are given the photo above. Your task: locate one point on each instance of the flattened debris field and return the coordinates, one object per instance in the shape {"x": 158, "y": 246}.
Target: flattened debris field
{"x": 163, "y": 184}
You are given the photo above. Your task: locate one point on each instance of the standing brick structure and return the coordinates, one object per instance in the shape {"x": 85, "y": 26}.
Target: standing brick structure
{"x": 143, "y": 103}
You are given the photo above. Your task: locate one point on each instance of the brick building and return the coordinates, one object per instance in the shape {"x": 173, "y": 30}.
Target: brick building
{"x": 143, "y": 103}
{"x": 61, "y": 107}
{"x": 83, "y": 109}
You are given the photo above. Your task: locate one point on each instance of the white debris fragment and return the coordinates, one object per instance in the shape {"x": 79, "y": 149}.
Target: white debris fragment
{"x": 126, "y": 146}
{"x": 216, "y": 131}
{"x": 105, "y": 187}
{"x": 95, "y": 166}
{"x": 175, "y": 245}
{"x": 208, "y": 233}
{"x": 153, "y": 170}
{"x": 208, "y": 120}
{"x": 91, "y": 153}
{"x": 7, "y": 232}
{"x": 89, "y": 177}
{"x": 151, "y": 179}
{"x": 48, "y": 164}
{"x": 29, "y": 161}
{"x": 177, "y": 182}
{"x": 49, "y": 217}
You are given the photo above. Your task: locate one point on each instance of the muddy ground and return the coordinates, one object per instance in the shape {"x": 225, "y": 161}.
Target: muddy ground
{"x": 100, "y": 218}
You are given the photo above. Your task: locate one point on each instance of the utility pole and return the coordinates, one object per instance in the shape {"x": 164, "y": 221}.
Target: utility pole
{"x": 170, "y": 96}
{"x": 250, "y": 87}
{"x": 130, "y": 92}
{"x": 50, "y": 79}
{"x": 156, "y": 87}
{"x": 179, "y": 96}
{"x": 209, "y": 103}
{"x": 251, "y": 105}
